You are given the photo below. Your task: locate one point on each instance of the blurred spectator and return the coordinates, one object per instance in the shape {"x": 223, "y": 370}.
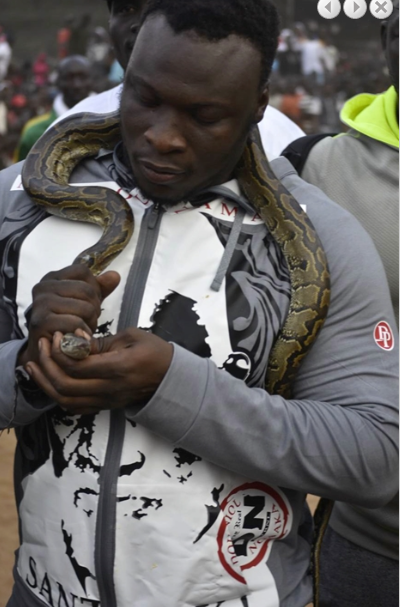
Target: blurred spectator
{"x": 290, "y": 102}
{"x": 116, "y": 73}
{"x": 100, "y": 56}
{"x": 5, "y": 55}
{"x": 311, "y": 107}
{"x": 288, "y": 54}
{"x": 41, "y": 70}
{"x": 312, "y": 59}
{"x": 18, "y": 112}
{"x": 63, "y": 38}
{"x": 80, "y": 33}
{"x": 330, "y": 109}
{"x": 3, "y": 112}
{"x": 74, "y": 84}
{"x": 98, "y": 46}
{"x": 330, "y": 55}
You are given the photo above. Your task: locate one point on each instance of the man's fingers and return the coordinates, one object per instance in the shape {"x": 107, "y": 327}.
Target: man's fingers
{"x": 73, "y": 289}
{"x": 60, "y": 386}
{"x": 108, "y": 282}
{"x": 66, "y": 323}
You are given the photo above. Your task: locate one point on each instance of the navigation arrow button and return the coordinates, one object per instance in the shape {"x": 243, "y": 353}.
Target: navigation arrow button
{"x": 355, "y": 10}
{"x": 329, "y": 9}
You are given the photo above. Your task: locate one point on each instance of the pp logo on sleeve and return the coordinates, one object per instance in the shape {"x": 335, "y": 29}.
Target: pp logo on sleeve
{"x": 383, "y": 336}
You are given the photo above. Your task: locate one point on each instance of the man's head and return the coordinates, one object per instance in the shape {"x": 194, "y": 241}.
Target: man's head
{"x": 124, "y": 21}
{"x": 190, "y": 100}
{"x": 390, "y": 42}
{"x": 74, "y": 79}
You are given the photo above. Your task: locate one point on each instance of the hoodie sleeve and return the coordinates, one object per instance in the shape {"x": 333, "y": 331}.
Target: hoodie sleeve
{"x": 16, "y": 407}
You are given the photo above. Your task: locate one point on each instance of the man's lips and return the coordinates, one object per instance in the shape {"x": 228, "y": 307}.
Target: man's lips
{"x": 159, "y": 174}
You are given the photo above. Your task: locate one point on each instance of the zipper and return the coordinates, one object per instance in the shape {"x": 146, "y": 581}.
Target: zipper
{"x": 107, "y": 509}
{"x": 140, "y": 268}
{"x": 107, "y": 506}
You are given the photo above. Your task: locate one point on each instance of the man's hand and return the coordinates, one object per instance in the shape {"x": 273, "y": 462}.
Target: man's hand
{"x": 122, "y": 370}
{"x": 65, "y": 301}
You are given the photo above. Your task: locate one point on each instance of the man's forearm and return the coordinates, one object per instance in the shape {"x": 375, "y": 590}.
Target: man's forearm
{"x": 309, "y": 445}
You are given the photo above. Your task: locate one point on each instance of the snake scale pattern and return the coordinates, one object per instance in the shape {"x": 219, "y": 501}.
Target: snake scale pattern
{"x": 46, "y": 176}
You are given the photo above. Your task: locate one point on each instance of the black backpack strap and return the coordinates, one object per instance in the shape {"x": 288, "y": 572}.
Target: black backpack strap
{"x": 297, "y": 152}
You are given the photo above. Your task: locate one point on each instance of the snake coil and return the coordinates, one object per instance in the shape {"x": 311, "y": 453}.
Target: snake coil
{"x": 46, "y": 176}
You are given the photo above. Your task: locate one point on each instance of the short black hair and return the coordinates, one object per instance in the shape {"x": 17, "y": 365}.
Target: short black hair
{"x": 255, "y": 20}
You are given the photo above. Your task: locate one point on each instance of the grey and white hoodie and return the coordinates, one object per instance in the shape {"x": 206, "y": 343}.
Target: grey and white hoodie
{"x": 198, "y": 498}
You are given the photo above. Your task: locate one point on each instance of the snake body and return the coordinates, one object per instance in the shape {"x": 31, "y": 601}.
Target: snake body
{"x": 46, "y": 176}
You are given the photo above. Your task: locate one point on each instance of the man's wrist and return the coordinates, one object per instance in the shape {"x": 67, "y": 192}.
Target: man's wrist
{"x": 23, "y": 356}
{"x": 24, "y": 381}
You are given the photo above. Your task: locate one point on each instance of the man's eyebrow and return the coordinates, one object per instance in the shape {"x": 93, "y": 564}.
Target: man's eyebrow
{"x": 133, "y": 80}
{"x": 211, "y": 104}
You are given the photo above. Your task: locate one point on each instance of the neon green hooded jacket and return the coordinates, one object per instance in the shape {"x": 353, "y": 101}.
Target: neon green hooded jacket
{"x": 375, "y": 116}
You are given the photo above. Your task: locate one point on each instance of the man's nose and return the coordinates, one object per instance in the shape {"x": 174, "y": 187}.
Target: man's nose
{"x": 166, "y": 136}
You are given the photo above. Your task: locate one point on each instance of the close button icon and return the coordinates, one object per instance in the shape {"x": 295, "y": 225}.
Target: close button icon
{"x": 381, "y": 9}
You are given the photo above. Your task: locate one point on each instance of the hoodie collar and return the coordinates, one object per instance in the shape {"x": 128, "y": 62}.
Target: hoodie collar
{"x": 374, "y": 116}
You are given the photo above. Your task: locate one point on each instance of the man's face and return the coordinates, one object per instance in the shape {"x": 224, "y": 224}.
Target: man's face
{"x": 123, "y": 25}
{"x": 75, "y": 82}
{"x": 390, "y": 40}
{"x": 186, "y": 109}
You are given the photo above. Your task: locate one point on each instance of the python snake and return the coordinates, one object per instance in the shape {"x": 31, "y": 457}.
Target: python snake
{"x": 46, "y": 175}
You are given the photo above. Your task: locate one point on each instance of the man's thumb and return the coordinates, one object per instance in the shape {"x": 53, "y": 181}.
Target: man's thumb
{"x": 108, "y": 282}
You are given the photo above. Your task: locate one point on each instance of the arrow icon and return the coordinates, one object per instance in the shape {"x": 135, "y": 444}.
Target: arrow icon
{"x": 355, "y": 9}
{"x": 329, "y": 9}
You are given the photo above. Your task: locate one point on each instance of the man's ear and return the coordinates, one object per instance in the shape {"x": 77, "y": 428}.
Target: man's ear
{"x": 263, "y": 100}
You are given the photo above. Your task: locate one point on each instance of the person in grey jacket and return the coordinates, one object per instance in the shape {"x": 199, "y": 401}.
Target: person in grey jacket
{"x": 160, "y": 471}
{"x": 360, "y": 171}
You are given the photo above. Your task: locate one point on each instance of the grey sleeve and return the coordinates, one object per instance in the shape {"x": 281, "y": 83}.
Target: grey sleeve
{"x": 5, "y": 322}
{"x": 17, "y": 409}
{"x": 337, "y": 437}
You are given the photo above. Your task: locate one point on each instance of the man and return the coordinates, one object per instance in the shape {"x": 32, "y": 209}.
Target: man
{"x": 159, "y": 471}
{"x": 360, "y": 171}
{"x": 74, "y": 83}
{"x": 5, "y": 55}
{"x": 276, "y": 130}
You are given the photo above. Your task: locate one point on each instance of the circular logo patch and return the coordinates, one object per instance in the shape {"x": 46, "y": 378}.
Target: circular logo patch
{"x": 254, "y": 515}
{"x": 383, "y": 336}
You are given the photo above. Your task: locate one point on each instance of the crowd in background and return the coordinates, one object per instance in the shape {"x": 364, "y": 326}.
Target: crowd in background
{"x": 313, "y": 77}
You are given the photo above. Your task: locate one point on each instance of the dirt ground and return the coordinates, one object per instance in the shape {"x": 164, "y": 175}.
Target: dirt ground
{"x": 8, "y": 519}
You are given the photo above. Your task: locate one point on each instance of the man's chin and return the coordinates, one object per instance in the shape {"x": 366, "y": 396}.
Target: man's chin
{"x": 167, "y": 201}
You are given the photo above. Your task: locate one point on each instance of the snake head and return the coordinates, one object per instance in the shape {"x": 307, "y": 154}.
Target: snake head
{"x": 75, "y": 347}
